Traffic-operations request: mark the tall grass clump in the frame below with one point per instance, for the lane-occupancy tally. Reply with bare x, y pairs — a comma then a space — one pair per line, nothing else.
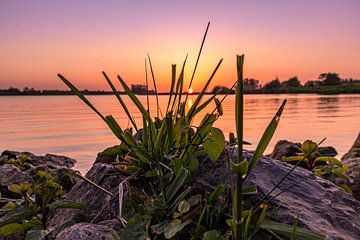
162, 160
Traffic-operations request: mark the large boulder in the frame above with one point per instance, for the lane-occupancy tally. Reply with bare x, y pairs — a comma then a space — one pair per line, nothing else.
97, 201
352, 160
322, 206
86, 231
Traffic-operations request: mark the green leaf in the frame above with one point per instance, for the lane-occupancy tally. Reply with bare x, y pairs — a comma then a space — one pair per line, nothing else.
214, 144
286, 230
213, 235
13, 228
176, 184
265, 139
38, 234
309, 148
218, 106
113, 88
174, 227
136, 228
240, 168
66, 204
328, 160
184, 206
250, 189
80, 95
193, 107
214, 196
16, 215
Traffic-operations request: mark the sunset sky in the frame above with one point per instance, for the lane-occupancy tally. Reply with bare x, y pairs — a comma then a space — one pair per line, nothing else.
81, 38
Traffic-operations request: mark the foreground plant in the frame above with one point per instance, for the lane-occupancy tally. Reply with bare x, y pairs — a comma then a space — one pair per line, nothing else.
161, 159
27, 212
329, 168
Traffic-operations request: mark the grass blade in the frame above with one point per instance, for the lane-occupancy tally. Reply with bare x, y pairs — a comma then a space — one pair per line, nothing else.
173, 79
120, 100
265, 139
80, 95
198, 58
190, 114
176, 184
155, 88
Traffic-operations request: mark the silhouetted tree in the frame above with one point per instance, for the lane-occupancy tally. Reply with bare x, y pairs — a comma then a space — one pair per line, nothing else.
273, 84
222, 90
251, 84
330, 79
292, 82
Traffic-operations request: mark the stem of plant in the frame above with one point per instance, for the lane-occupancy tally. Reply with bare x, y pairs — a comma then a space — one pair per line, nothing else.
239, 108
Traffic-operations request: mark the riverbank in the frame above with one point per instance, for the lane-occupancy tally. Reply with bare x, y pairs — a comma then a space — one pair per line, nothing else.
341, 89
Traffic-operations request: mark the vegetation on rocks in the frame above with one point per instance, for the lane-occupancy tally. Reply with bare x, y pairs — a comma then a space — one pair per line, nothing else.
326, 167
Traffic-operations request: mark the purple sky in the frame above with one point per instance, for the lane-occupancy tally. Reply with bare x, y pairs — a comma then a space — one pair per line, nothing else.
80, 38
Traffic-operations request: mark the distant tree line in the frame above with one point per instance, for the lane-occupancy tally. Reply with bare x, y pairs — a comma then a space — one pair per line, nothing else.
329, 82
292, 84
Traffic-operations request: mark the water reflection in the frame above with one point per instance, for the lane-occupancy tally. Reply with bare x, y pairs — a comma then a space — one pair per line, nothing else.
328, 106
74, 130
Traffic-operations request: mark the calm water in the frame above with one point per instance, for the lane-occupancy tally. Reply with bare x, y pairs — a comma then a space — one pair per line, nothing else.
64, 125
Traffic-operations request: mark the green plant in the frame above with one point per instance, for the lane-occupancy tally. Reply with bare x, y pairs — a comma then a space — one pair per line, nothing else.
326, 167
30, 213
161, 161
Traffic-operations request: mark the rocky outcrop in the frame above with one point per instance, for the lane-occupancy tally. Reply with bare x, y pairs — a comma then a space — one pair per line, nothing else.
12, 172
352, 160
321, 205
86, 231
284, 148
49, 160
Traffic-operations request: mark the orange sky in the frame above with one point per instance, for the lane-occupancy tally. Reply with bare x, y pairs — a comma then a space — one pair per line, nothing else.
81, 38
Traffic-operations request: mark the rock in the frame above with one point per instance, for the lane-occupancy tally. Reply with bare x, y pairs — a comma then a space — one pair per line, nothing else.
354, 151
92, 197
50, 160
86, 231
354, 173
287, 149
10, 174
323, 207
327, 151
352, 160
66, 177
109, 155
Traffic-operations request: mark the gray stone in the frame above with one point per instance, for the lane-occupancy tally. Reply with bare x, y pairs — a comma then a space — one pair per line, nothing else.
86, 231
286, 148
10, 174
95, 200
352, 160
50, 160
354, 151
323, 207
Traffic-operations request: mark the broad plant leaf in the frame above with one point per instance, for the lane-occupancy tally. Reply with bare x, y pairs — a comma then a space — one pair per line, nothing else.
287, 230
174, 227
214, 144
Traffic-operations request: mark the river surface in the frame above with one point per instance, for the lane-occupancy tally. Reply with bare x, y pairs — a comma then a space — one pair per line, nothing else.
64, 125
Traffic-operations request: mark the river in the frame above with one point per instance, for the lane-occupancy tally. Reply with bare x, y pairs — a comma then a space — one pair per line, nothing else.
66, 126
